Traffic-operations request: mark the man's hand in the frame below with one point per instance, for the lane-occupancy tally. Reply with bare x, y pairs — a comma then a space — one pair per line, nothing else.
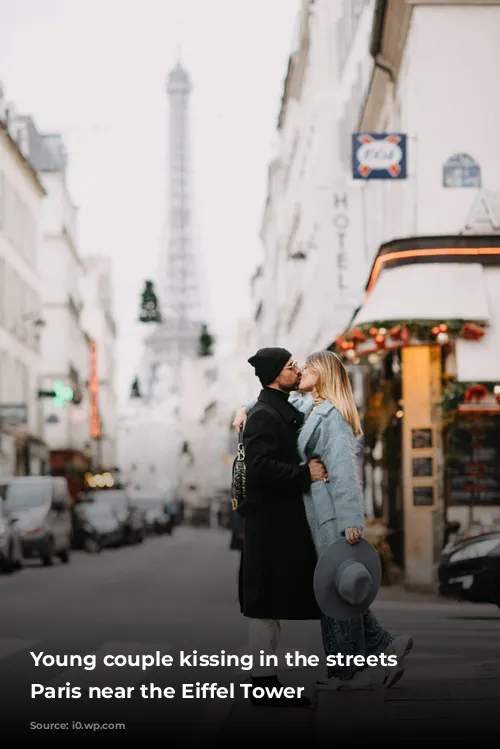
353, 535
317, 470
240, 419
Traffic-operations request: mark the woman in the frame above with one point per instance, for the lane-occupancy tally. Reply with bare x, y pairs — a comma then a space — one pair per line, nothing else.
329, 433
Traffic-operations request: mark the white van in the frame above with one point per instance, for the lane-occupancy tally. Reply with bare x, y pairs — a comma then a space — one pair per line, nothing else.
40, 506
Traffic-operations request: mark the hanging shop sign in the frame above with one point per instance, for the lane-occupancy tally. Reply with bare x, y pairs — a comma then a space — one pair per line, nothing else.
376, 156
95, 421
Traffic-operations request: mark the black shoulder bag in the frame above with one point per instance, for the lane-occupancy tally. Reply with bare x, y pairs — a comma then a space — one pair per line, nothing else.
238, 487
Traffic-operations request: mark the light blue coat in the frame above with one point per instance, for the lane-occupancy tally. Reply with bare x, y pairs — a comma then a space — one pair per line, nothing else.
338, 504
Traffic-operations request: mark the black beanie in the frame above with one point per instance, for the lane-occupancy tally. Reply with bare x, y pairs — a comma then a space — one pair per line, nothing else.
268, 363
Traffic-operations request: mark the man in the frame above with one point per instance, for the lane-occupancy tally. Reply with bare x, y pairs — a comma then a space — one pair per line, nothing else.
279, 558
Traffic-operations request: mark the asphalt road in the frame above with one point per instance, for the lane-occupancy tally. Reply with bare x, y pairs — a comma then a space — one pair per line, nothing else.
179, 594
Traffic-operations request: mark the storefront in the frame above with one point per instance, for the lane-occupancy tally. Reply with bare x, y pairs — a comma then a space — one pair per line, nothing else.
7, 453
21, 453
426, 336
73, 465
36, 458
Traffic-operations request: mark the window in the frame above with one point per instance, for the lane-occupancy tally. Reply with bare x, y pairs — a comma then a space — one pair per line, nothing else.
27, 494
17, 220
461, 171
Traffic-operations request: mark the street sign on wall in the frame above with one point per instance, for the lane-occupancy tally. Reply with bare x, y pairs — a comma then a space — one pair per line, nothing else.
461, 170
378, 156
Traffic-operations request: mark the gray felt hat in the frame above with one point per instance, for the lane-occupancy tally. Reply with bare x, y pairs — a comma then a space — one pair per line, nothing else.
347, 579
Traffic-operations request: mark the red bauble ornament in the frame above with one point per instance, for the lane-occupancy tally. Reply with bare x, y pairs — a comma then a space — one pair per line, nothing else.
357, 336
400, 334
472, 332
475, 393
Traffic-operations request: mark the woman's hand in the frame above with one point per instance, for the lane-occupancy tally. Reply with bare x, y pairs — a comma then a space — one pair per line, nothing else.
240, 419
353, 535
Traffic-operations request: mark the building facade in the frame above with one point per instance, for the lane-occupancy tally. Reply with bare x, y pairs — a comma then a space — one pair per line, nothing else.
431, 301
398, 275
22, 449
64, 344
312, 230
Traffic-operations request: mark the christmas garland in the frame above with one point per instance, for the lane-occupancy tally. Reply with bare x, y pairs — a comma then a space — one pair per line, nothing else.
467, 392
390, 333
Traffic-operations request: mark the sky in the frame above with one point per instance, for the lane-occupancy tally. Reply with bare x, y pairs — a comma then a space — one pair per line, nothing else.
95, 71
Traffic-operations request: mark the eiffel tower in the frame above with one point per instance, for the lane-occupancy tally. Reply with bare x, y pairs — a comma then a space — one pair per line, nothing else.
178, 283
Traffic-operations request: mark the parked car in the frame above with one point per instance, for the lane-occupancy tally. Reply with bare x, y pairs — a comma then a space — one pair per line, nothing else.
95, 527
11, 550
131, 520
158, 519
200, 517
40, 507
469, 569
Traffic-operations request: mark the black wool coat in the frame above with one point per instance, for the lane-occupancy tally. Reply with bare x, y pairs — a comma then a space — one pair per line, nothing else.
279, 557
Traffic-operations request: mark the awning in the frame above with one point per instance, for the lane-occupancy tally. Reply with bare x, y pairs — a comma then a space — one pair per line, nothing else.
427, 291
479, 361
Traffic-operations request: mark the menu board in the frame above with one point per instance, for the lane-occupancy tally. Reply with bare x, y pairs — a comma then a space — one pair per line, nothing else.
422, 467
473, 458
423, 496
422, 438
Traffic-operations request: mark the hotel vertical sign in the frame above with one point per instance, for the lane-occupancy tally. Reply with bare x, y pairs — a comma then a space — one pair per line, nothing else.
341, 225
342, 266
95, 422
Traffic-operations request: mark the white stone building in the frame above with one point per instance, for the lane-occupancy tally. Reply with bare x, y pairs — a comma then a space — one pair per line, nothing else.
64, 343
426, 70
98, 322
446, 214
21, 195
315, 262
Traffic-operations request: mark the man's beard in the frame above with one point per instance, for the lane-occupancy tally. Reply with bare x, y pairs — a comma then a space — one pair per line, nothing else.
290, 388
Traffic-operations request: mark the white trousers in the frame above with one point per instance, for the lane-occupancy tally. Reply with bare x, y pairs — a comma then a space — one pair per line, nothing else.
263, 638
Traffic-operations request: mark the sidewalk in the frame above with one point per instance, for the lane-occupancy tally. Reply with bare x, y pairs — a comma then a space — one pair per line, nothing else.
456, 709
462, 703
397, 597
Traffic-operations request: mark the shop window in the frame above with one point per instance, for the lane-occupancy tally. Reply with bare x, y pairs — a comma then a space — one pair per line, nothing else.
461, 171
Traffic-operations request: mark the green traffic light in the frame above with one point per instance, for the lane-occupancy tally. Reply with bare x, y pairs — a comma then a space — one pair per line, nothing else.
62, 393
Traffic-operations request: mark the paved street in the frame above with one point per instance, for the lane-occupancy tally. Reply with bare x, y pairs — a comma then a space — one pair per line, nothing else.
179, 593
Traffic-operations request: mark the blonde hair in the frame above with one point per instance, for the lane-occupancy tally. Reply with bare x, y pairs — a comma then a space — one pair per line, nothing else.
334, 385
